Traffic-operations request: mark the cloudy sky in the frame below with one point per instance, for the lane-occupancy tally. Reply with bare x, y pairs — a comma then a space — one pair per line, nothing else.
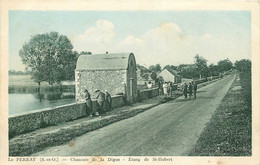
164, 37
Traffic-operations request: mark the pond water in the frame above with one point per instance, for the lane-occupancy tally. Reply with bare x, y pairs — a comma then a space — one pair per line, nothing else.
23, 102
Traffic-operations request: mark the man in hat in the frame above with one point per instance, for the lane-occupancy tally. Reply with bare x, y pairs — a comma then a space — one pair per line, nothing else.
100, 100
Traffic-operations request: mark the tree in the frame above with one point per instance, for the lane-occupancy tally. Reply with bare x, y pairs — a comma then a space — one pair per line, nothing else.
85, 53
243, 65
188, 71
49, 57
154, 76
213, 70
224, 65
157, 68
201, 65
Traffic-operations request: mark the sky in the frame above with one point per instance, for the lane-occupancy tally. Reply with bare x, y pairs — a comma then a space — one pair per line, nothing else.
164, 37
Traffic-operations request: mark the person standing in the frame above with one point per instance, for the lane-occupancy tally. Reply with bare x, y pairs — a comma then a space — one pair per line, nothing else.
88, 102
160, 88
185, 90
194, 89
165, 88
171, 88
190, 90
100, 100
108, 101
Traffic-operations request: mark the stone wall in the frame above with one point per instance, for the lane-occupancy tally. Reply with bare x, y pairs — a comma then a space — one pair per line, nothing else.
41, 118
148, 93
111, 80
31, 121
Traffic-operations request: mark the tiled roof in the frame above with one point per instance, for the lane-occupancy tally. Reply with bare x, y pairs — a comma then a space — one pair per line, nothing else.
115, 61
173, 72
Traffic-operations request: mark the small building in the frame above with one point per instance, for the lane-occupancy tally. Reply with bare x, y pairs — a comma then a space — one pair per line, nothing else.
115, 73
170, 75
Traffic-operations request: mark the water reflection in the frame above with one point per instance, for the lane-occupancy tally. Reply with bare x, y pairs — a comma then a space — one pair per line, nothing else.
27, 99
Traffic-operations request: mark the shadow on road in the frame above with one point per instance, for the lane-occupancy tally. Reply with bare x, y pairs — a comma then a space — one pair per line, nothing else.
203, 97
201, 91
183, 100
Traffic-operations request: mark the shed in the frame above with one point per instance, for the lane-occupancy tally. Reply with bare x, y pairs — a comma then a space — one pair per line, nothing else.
115, 73
170, 75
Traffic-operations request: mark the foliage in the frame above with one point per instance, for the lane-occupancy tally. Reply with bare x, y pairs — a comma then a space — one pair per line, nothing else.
154, 76
244, 68
85, 53
14, 72
155, 68
201, 65
243, 65
225, 65
49, 57
188, 71
213, 70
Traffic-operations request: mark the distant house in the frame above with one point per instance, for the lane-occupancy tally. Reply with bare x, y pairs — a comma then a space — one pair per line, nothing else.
143, 75
170, 75
113, 72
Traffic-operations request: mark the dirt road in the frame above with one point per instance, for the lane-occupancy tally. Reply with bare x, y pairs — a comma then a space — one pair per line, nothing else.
170, 129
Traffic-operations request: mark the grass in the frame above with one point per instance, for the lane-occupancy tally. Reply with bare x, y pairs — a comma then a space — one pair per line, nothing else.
229, 131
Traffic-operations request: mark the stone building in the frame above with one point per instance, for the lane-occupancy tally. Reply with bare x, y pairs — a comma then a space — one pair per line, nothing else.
113, 72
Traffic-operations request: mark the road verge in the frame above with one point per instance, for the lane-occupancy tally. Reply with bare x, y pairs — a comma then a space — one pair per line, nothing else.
229, 131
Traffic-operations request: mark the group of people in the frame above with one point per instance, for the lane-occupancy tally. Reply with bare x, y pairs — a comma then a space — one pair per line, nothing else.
190, 89
104, 102
166, 88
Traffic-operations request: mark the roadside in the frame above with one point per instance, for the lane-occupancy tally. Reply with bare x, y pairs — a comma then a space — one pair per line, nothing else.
26, 144
229, 131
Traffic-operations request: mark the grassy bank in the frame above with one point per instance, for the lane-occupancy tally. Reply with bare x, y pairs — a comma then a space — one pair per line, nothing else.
229, 131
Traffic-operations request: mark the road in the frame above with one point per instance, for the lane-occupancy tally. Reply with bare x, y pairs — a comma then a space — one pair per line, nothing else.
170, 129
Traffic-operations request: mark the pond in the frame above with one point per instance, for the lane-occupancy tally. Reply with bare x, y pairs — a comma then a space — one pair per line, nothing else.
24, 101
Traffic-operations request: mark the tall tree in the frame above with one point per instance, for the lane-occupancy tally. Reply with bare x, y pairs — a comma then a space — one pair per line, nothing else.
158, 68
49, 57
155, 68
225, 65
201, 65
213, 70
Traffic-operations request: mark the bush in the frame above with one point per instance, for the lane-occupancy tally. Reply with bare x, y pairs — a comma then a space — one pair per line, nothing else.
244, 68
245, 80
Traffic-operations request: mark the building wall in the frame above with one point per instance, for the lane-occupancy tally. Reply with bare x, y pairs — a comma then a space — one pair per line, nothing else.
167, 76
111, 80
